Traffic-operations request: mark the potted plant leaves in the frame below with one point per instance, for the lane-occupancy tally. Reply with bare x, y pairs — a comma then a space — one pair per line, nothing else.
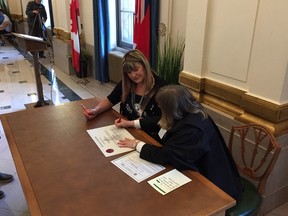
170, 59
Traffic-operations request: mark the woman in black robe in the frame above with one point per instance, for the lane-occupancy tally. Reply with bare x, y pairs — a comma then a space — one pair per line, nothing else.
192, 141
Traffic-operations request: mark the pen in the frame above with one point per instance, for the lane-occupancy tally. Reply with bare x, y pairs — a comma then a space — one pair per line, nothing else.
119, 120
84, 108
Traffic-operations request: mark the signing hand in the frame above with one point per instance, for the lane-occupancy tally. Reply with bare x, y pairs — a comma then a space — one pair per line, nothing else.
120, 122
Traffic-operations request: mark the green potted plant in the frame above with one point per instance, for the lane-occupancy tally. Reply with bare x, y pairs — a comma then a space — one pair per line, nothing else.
170, 58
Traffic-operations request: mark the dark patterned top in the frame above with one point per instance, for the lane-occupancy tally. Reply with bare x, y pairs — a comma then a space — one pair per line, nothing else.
151, 114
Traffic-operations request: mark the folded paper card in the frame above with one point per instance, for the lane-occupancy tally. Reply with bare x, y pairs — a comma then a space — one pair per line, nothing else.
169, 181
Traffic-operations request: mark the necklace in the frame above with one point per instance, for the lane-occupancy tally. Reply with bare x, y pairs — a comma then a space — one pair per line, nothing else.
137, 106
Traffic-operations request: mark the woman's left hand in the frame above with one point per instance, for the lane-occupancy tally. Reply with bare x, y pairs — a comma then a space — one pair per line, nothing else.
129, 143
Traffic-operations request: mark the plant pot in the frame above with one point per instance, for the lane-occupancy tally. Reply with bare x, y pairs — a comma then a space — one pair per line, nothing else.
83, 69
71, 69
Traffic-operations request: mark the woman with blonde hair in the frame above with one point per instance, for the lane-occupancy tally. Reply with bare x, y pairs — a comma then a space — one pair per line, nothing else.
136, 94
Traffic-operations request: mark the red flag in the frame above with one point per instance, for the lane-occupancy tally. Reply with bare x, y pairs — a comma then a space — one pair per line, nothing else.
142, 26
75, 34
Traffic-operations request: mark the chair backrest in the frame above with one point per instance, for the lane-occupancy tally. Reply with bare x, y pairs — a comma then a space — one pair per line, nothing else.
255, 151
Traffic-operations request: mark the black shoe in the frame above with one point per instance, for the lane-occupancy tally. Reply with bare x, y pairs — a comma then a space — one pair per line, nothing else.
42, 56
2, 194
5, 178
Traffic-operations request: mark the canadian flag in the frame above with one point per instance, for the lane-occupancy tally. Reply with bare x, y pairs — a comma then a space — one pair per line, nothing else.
142, 26
75, 34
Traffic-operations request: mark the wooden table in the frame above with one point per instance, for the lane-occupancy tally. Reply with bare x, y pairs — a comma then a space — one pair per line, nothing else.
63, 172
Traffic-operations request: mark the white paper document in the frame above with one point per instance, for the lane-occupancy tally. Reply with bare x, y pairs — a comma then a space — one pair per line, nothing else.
106, 138
169, 181
137, 168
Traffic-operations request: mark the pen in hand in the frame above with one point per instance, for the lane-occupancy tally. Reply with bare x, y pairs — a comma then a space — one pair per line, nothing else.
119, 120
84, 108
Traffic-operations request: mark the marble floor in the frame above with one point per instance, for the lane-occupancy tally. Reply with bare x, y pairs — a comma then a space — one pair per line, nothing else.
18, 88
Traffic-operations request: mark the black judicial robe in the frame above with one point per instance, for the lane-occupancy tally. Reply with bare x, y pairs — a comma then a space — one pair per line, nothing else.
197, 144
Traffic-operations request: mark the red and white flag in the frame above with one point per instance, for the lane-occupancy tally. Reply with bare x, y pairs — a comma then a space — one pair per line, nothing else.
75, 34
142, 26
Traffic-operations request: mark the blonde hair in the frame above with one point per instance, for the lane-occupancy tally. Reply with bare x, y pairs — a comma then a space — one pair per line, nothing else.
130, 63
175, 102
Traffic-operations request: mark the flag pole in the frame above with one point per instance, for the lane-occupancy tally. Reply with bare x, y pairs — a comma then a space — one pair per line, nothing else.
76, 41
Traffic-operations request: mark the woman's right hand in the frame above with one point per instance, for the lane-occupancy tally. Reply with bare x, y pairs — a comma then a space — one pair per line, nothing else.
89, 114
104, 105
120, 122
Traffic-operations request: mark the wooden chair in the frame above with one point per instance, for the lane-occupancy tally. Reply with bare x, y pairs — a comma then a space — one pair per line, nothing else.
255, 152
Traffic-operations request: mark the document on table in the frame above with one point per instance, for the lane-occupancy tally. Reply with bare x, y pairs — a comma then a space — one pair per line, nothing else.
169, 181
106, 139
137, 168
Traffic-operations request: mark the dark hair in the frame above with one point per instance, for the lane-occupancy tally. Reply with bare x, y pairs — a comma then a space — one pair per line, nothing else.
175, 102
131, 61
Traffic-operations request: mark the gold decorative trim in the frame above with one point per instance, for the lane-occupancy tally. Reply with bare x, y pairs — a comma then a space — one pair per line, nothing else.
17, 18
237, 103
224, 92
62, 35
265, 109
66, 36
193, 82
224, 106
278, 129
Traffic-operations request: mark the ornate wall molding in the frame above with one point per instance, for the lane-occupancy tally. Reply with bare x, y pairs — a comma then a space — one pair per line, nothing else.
18, 17
237, 103
62, 35
66, 36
